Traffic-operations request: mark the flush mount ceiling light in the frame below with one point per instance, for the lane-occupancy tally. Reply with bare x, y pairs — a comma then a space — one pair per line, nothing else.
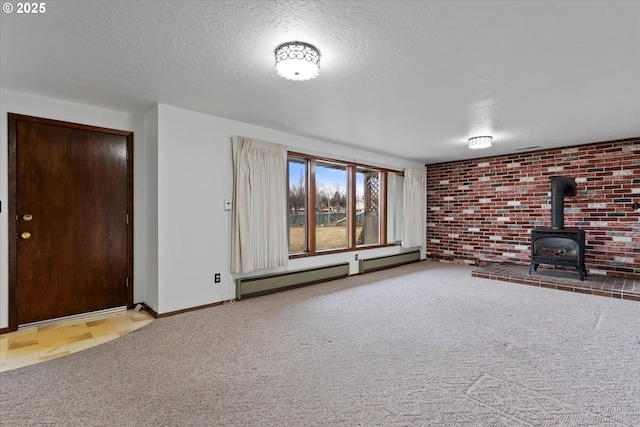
297, 61
478, 142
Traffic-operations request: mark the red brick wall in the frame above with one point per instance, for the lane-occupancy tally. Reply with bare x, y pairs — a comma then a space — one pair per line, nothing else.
483, 210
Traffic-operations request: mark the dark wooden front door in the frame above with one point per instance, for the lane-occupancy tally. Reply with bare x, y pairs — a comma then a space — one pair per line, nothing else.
70, 216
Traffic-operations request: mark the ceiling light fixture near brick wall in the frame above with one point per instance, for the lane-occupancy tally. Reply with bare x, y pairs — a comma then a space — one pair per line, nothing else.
478, 142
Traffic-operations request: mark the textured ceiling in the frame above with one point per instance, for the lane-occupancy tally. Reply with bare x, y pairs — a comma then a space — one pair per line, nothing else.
412, 79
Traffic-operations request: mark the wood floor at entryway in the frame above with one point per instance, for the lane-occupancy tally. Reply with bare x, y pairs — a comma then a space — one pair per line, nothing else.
35, 344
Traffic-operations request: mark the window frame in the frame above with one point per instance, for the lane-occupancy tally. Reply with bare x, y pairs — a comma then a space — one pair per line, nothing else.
310, 211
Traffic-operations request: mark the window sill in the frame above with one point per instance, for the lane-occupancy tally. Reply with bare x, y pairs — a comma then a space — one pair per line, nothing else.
338, 251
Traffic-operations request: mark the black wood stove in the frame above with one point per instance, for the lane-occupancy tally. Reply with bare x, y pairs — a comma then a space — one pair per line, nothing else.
558, 245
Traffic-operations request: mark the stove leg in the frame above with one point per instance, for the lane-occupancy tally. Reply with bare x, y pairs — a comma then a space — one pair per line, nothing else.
584, 272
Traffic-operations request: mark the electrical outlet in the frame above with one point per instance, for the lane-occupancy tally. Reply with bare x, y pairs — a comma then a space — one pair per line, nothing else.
216, 278
356, 257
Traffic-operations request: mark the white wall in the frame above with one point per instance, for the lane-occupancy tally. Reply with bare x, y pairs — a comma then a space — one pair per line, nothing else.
195, 175
31, 105
183, 171
148, 217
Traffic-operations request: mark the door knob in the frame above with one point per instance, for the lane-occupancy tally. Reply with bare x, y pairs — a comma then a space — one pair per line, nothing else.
27, 217
26, 235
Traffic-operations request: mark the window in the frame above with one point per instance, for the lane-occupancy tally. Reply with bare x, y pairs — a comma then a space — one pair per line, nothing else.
332, 219
367, 206
297, 179
336, 205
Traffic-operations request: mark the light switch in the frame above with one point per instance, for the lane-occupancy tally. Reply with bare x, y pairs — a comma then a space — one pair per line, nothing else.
227, 204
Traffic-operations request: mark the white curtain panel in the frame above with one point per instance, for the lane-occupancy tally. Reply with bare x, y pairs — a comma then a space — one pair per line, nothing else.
414, 203
259, 228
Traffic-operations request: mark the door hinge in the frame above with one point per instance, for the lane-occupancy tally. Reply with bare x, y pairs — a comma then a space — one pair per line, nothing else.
127, 218
127, 282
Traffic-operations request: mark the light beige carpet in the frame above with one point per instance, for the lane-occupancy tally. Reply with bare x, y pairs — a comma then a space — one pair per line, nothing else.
424, 344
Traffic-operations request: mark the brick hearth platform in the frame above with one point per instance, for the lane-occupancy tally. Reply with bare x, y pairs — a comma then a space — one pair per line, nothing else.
614, 287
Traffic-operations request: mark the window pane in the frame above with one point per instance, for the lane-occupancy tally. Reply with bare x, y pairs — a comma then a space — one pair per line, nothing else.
297, 205
395, 186
331, 206
368, 206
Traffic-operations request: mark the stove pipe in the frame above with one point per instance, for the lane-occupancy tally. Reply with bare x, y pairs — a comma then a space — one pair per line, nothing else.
560, 187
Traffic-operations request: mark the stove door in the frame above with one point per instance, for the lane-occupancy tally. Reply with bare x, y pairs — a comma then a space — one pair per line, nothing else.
557, 247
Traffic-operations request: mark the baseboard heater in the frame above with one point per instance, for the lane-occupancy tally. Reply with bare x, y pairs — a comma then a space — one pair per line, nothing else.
262, 284
373, 264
